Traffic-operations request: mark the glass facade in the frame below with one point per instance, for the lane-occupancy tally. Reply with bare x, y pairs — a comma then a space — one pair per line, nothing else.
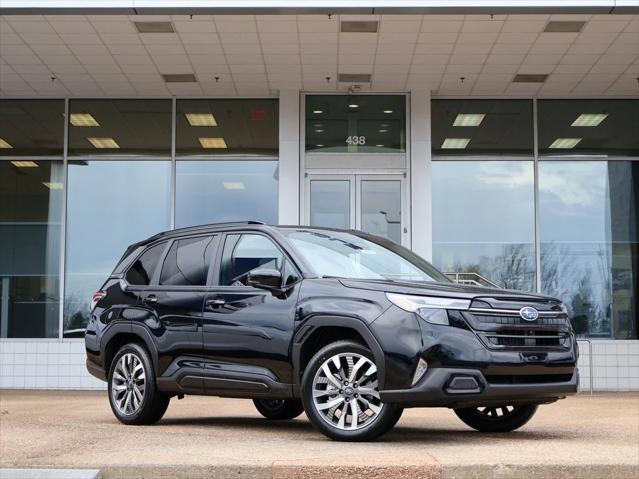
66, 216
355, 123
560, 217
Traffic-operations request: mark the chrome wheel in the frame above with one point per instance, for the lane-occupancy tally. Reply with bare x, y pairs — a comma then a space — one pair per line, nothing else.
346, 391
128, 384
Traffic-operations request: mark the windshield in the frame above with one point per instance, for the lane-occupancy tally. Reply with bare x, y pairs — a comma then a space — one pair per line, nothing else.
345, 255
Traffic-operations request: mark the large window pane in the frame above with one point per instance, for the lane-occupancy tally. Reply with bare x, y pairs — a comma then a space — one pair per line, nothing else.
483, 222
220, 127
482, 127
356, 124
330, 203
215, 191
120, 127
111, 204
31, 198
31, 127
589, 223
584, 127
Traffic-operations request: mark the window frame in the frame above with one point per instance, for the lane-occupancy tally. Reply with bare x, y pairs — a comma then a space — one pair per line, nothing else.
220, 250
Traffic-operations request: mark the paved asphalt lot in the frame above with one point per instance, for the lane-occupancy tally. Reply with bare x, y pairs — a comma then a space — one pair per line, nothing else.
201, 437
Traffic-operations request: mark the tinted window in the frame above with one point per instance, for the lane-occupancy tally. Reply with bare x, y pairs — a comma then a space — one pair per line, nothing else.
187, 263
244, 253
31, 127
141, 271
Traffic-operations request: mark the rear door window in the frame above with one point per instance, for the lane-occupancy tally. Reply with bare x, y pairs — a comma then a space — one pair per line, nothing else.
141, 271
187, 262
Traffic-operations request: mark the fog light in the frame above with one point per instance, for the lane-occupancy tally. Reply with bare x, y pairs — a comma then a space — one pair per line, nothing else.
422, 366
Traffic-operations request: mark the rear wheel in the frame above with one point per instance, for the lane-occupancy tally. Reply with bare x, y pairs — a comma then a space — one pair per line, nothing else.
340, 392
133, 396
279, 409
497, 418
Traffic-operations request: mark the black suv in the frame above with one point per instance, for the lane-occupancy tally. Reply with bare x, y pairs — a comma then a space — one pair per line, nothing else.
348, 327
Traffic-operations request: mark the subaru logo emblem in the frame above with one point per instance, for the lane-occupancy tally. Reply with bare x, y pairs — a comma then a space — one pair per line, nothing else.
528, 314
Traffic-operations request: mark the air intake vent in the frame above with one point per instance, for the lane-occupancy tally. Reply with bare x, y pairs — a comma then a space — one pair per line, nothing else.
530, 78
179, 78
354, 77
154, 27
359, 27
564, 27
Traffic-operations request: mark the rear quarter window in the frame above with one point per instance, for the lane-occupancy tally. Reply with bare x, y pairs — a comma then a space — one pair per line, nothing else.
141, 271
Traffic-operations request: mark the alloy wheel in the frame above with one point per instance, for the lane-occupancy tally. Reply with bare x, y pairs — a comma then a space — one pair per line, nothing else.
346, 391
491, 412
128, 384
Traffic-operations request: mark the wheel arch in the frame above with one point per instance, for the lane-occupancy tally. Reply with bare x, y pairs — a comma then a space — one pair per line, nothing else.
318, 331
123, 333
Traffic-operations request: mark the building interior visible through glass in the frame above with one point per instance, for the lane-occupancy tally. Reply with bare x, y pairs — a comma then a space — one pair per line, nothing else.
487, 175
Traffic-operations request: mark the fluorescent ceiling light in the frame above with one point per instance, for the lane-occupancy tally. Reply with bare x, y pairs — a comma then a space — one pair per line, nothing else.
564, 27
388, 112
379, 146
319, 131
83, 119
179, 77
565, 143
212, 142
154, 27
25, 164
359, 26
201, 119
383, 131
103, 142
455, 143
589, 119
318, 112
320, 145
53, 185
530, 77
4, 144
353, 105
469, 119
233, 185
354, 77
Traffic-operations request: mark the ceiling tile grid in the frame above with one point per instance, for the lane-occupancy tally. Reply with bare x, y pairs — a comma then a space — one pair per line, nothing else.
81, 55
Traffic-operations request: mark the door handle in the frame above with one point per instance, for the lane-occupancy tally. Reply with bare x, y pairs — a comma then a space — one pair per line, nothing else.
214, 303
150, 299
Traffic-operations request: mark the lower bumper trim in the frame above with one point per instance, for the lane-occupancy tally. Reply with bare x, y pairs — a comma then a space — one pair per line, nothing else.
433, 391
96, 370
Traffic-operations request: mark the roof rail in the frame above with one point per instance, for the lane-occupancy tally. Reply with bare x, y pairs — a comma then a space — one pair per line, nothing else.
202, 227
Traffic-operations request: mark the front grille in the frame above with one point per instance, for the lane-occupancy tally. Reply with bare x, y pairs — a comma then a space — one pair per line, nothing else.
510, 320
528, 378
526, 338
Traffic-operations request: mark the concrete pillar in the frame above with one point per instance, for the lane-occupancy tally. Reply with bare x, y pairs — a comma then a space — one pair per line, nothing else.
289, 165
420, 175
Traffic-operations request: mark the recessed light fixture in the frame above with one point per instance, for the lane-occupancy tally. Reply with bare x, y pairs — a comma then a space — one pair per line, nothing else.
383, 131
179, 78
388, 112
233, 185
212, 142
589, 119
564, 27
318, 125
379, 146
469, 119
4, 144
320, 146
53, 185
455, 143
103, 142
83, 119
353, 105
319, 131
154, 27
25, 164
565, 143
201, 119
318, 112
354, 77
530, 78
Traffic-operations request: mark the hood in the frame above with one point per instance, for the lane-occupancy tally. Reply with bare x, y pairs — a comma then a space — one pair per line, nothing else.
447, 290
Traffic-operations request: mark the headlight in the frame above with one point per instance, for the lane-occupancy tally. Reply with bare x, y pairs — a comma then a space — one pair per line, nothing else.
430, 308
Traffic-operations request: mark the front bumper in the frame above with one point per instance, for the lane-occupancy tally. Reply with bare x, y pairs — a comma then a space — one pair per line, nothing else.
436, 389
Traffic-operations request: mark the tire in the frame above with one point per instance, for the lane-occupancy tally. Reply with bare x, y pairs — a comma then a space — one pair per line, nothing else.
327, 400
131, 368
279, 409
488, 419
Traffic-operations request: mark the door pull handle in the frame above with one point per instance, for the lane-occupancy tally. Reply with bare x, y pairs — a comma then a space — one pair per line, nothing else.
151, 299
214, 303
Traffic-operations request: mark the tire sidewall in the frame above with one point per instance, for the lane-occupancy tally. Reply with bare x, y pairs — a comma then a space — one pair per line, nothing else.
379, 426
149, 385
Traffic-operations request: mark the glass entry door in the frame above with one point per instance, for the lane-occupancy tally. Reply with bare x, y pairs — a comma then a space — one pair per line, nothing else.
371, 203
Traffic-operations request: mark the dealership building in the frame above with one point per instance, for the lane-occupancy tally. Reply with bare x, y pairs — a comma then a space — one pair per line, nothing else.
497, 139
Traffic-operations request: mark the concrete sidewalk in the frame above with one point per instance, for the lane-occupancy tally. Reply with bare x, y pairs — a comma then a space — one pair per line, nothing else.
200, 437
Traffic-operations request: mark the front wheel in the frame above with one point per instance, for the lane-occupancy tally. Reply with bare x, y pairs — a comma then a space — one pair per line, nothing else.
279, 409
340, 392
497, 418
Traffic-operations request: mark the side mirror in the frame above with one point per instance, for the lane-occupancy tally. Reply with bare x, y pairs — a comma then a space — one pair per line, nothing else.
270, 279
